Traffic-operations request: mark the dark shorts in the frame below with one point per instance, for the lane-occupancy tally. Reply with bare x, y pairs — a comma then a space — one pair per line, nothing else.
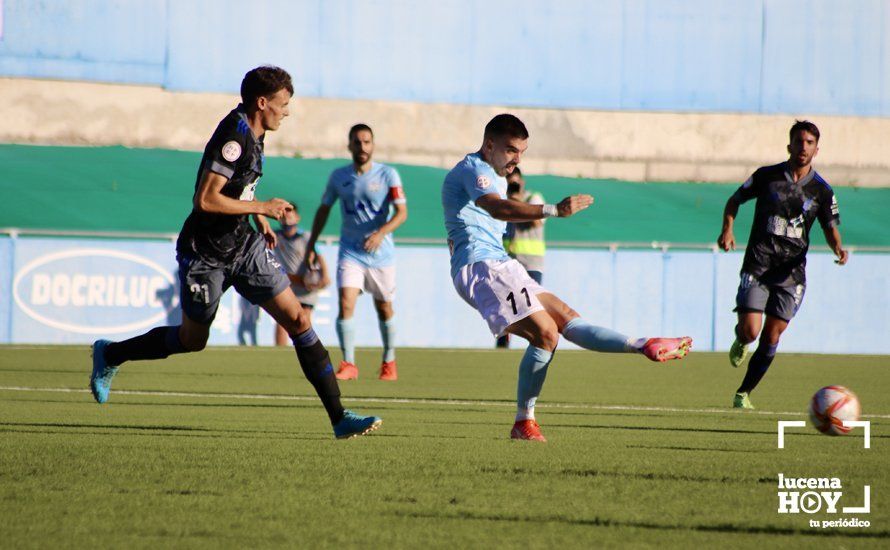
257, 276
780, 301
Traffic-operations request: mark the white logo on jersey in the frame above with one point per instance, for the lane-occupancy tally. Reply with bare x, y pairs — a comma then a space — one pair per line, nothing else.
374, 186
482, 182
248, 191
231, 151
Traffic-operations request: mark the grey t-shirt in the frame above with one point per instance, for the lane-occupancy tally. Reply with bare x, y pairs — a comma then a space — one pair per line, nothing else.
290, 252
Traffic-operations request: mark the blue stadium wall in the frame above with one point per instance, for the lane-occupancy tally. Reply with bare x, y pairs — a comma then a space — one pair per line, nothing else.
72, 291
755, 56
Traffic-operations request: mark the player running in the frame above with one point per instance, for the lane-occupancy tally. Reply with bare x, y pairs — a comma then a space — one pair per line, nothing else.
790, 196
510, 301
366, 261
217, 248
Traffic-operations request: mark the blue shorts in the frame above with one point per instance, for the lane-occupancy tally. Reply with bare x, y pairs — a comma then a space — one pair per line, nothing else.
256, 275
780, 301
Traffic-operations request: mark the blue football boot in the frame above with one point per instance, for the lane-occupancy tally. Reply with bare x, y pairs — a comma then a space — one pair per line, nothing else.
352, 425
100, 379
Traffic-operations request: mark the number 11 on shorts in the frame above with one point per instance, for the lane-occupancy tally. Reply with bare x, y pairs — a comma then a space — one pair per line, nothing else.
512, 299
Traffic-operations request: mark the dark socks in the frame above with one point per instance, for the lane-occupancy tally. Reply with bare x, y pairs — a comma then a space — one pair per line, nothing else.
757, 367
318, 370
158, 343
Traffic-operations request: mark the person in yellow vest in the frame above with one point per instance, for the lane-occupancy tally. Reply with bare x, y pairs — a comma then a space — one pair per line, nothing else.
524, 241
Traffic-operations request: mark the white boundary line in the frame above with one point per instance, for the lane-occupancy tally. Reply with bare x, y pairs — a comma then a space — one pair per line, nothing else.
403, 400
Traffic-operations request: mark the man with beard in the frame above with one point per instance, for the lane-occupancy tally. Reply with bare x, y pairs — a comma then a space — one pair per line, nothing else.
366, 262
790, 197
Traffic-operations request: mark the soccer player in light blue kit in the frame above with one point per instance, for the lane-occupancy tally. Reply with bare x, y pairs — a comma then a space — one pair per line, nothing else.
474, 197
366, 262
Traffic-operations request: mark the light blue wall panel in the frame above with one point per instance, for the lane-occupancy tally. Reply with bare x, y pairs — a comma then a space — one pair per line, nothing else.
688, 297
526, 53
6, 270
683, 55
213, 43
771, 56
117, 41
74, 291
414, 51
638, 290
825, 57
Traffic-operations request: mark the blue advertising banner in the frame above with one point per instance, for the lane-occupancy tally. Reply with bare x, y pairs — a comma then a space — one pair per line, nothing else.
73, 291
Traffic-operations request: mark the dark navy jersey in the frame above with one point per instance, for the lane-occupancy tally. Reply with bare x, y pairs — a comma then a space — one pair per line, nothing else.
235, 153
783, 215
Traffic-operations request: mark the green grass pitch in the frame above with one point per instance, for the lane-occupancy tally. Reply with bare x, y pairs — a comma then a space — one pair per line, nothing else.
229, 448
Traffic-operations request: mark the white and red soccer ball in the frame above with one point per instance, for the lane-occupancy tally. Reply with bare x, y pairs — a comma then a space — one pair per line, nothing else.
831, 406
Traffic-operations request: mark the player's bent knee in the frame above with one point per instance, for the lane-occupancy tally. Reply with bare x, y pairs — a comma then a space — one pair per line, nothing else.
547, 338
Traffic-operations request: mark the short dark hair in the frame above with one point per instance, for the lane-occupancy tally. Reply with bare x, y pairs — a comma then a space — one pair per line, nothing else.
358, 128
516, 171
506, 125
803, 125
264, 81
296, 208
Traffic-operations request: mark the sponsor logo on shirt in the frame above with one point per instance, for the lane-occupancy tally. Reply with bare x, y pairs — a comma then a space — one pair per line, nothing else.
248, 192
483, 182
783, 228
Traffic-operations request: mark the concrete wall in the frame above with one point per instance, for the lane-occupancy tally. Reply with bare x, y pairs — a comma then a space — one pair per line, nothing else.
826, 57
638, 146
77, 290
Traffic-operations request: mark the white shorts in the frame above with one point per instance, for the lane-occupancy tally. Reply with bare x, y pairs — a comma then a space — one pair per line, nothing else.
501, 291
379, 282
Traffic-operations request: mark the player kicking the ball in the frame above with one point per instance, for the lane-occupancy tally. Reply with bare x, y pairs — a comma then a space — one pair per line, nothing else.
217, 248
510, 301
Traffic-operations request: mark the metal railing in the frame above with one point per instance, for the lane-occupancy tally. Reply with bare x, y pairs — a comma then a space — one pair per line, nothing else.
664, 246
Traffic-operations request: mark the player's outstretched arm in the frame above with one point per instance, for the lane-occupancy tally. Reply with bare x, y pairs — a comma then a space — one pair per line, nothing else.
318, 223
516, 211
210, 200
726, 240
833, 238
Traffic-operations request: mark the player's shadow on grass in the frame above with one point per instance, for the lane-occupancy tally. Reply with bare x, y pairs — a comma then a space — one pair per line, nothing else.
668, 448
645, 476
694, 430
149, 430
605, 522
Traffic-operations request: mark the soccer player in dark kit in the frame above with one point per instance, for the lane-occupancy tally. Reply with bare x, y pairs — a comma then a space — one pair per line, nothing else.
217, 248
790, 197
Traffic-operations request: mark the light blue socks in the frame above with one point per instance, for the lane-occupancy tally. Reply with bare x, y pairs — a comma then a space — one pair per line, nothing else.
346, 335
580, 332
532, 372
388, 335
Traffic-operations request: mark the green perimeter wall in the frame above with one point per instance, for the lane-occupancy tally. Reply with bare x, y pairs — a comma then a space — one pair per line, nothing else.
149, 190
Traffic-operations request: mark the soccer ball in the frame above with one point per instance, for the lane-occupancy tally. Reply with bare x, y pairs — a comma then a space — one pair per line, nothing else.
830, 406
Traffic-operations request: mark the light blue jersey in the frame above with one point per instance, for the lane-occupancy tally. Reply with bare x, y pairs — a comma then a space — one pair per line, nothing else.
473, 235
364, 206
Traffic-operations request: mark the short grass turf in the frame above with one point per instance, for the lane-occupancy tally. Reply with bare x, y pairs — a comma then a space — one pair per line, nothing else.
227, 448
